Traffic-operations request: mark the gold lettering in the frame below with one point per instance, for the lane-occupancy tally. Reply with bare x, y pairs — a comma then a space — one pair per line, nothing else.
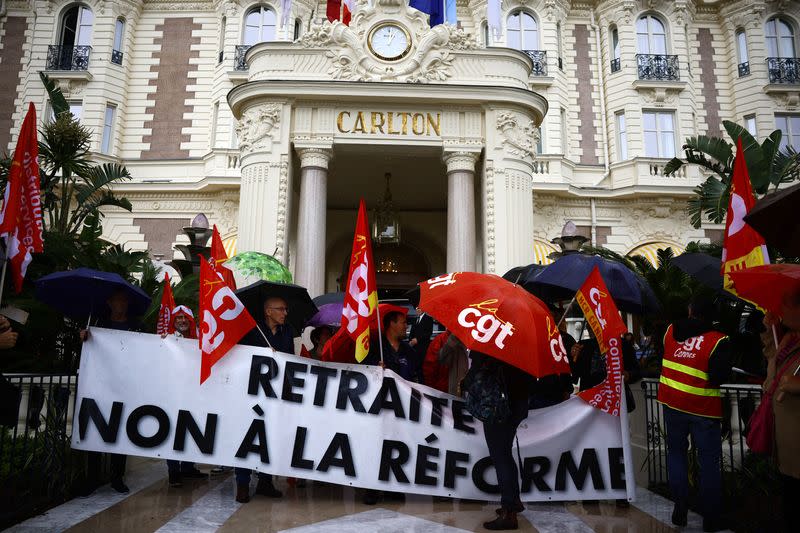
404, 127
418, 126
389, 124
340, 119
433, 125
375, 124
359, 124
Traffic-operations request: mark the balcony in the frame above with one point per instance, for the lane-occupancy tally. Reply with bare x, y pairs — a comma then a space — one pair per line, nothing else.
744, 69
784, 70
616, 65
539, 59
116, 57
658, 67
68, 58
238, 57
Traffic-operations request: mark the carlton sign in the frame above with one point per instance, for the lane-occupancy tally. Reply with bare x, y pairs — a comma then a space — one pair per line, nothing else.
389, 123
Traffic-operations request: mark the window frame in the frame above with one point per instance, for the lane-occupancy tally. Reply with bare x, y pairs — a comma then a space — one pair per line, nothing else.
519, 13
748, 120
661, 153
777, 37
788, 133
622, 135
648, 17
107, 140
261, 9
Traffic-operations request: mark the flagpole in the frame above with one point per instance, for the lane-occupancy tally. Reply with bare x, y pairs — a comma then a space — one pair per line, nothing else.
566, 311
3, 281
380, 334
262, 334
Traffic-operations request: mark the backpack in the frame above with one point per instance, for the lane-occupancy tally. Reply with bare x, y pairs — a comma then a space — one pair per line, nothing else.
486, 394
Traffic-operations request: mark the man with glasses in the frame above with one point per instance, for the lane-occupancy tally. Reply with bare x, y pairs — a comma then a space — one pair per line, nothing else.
279, 337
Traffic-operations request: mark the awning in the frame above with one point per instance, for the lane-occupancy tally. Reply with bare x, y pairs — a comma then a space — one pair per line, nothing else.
230, 245
650, 251
541, 250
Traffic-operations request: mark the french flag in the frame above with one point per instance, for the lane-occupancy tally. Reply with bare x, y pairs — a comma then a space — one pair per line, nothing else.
440, 11
340, 10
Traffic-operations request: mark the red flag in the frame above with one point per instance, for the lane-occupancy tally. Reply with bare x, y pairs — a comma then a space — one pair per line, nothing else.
340, 10
743, 247
164, 324
603, 317
218, 257
21, 218
223, 319
361, 292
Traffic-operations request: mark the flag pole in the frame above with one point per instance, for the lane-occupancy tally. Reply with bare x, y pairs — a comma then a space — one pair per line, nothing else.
380, 334
262, 334
3, 281
566, 310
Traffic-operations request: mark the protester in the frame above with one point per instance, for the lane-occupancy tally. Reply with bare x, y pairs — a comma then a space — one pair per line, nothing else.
499, 436
435, 373
319, 336
118, 319
8, 337
588, 365
783, 364
274, 332
453, 355
696, 361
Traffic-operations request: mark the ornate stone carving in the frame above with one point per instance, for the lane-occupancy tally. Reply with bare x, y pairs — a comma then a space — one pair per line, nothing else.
255, 128
659, 96
490, 215
283, 206
520, 135
460, 161
314, 157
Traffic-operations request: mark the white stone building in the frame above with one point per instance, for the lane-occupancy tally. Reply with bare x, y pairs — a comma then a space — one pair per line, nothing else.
274, 123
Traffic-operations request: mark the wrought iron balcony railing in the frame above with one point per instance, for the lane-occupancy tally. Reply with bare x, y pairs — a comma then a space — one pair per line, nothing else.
658, 67
220, 57
238, 57
744, 69
116, 57
68, 57
539, 58
783, 69
616, 65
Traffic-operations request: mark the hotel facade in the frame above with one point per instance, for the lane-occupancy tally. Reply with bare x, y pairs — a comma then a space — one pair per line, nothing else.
274, 122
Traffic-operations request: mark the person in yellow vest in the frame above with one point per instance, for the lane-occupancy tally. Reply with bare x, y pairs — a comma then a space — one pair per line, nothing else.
696, 361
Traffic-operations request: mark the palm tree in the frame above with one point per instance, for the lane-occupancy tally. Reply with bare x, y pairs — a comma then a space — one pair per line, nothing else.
767, 165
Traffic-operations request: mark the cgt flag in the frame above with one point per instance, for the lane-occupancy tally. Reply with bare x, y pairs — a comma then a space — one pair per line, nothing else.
603, 317
223, 319
165, 310
218, 257
21, 218
361, 294
743, 247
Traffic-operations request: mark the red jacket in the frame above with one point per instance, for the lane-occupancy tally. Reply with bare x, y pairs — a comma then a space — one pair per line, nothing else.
436, 375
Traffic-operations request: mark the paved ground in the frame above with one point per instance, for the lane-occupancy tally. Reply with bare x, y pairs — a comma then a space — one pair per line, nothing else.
208, 506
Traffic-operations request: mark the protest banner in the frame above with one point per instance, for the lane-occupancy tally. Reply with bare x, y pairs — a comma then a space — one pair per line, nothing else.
353, 425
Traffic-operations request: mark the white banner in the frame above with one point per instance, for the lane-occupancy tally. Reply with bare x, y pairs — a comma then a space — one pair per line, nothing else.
354, 425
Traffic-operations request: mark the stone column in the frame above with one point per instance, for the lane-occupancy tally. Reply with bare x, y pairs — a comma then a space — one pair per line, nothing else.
310, 266
460, 210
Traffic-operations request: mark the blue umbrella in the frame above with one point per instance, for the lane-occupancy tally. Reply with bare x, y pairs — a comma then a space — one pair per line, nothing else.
83, 292
562, 279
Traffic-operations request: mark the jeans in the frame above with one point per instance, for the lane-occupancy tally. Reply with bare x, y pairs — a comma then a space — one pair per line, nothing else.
707, 438
243, 476
500, 441
179, 466
117, 464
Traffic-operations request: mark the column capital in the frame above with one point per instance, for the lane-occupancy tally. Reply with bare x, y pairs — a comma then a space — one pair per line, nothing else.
315, 157
460, 161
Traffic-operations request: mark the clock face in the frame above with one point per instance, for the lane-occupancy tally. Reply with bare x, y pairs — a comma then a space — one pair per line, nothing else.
389, 42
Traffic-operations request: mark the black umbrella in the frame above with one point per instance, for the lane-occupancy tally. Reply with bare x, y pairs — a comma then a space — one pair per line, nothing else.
775, 218
703, 267
329, 298
522, 275
301, 307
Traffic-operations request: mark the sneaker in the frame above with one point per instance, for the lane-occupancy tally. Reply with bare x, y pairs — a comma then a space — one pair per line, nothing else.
175, 479
119, 486
266, 488
505, 521
680, 515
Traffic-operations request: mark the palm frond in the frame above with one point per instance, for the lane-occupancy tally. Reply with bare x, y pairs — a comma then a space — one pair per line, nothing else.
58, 103
97, 178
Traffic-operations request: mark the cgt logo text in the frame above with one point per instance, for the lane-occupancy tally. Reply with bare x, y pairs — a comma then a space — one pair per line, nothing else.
485, 325
594, 297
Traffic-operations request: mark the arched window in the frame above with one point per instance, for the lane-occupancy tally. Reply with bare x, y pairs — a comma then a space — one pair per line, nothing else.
119, 34
558, 45
780, 38
742, 56
485, 33
651, 35
223, 26
523, 31
259, 25
298, 29
615, 50
76, 27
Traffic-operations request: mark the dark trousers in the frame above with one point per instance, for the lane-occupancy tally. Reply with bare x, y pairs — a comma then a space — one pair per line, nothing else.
116, 462
791, 495
707, 438
500, 440
243, 476
179, 466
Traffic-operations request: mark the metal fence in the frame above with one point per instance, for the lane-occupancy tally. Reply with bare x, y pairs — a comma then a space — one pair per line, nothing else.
37, 466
